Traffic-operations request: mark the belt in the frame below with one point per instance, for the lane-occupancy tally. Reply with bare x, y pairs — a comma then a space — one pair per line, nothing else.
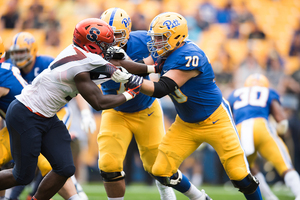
39, 114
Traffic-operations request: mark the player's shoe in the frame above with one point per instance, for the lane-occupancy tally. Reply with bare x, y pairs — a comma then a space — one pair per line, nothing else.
204, 196
80, 192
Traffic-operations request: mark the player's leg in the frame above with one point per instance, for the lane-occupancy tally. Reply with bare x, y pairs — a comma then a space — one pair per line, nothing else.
25, 141
251, 134
148, 132
66, 115
178, 143
224, 138
55, 141
5, 154
275, 151
113, 140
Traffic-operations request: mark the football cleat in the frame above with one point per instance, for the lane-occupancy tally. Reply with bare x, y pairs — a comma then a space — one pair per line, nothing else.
204, 196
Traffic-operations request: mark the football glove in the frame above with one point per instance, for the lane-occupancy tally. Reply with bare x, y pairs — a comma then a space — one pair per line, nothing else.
133, 86
119, 54
88, 123
159, 64
121, 75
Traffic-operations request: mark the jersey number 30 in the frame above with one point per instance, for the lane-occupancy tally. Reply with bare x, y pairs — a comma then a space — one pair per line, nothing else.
254, 96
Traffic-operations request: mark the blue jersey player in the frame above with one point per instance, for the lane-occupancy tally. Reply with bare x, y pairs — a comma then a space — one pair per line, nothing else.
251, 106
203, 115
140, 117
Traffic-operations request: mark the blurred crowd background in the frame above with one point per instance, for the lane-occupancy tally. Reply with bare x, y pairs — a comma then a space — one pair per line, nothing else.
240, 37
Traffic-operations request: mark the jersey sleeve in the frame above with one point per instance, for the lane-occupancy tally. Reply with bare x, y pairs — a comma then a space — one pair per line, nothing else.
274, 95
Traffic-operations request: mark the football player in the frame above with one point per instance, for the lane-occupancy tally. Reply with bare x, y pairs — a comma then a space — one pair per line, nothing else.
140, 117
79, 68
203, 115
11, 84
23, 54
251, 106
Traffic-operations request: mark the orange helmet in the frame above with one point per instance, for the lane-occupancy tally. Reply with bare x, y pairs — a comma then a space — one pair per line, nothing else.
257, 80
94, 35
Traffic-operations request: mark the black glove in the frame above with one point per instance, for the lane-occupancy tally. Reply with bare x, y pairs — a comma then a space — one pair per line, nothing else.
134, 84
159, 64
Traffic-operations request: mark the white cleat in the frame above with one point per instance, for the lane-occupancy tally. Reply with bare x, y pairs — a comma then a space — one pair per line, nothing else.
204, 196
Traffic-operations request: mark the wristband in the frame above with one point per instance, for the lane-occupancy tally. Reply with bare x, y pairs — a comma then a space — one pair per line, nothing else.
127, 95
151, 69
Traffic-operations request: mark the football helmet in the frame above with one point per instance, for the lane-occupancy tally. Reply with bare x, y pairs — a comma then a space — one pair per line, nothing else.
94, 35
167, 30
2, 48
23, 49
120, 21
256, 80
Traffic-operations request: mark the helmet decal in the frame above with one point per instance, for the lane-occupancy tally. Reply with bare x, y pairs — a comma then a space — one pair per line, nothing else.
111, 19
170, 24
126, 22
93, 34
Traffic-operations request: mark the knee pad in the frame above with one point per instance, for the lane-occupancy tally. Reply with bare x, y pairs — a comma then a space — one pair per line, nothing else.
67, 171
112, 176
248, 185
175, 179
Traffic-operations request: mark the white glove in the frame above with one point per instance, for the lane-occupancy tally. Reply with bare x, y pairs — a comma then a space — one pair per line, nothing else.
121, 76
88, 123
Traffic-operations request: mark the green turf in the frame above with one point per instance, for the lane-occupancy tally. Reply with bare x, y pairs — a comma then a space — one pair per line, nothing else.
95, 191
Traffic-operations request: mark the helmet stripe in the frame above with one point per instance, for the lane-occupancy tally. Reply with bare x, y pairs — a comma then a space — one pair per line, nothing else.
17, 36
112, 16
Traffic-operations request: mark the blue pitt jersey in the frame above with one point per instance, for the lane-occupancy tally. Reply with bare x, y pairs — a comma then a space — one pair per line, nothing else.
251, 102
10, 78
41, 63
136, 50
199, 97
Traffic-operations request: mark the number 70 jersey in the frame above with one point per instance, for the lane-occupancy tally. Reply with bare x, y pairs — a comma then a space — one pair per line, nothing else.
251, 102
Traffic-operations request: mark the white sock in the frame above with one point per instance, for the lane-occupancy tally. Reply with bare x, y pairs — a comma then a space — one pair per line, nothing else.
197, 179
75, 197
292, 180
264, 187
193, 193
118, 198
166, 193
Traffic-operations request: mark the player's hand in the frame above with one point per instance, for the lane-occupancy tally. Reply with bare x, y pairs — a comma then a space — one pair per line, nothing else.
121, 75
88, 123
119, 54
134, 84
159, 64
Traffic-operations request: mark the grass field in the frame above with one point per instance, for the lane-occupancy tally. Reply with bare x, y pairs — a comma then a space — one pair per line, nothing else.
95, 191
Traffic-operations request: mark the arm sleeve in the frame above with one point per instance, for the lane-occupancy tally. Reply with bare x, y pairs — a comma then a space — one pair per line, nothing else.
164, 86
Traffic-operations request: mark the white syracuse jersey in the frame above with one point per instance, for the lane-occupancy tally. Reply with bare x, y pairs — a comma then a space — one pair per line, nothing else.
55, 86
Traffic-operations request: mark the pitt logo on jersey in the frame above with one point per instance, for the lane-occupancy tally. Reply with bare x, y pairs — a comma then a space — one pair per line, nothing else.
170, 24
93, 35
126, 21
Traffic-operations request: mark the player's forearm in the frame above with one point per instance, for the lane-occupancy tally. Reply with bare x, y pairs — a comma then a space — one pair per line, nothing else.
134, 67
147, 87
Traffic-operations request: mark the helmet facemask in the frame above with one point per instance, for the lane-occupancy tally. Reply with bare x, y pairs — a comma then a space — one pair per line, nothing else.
107, 49
159, 46
120, 41
21, 57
